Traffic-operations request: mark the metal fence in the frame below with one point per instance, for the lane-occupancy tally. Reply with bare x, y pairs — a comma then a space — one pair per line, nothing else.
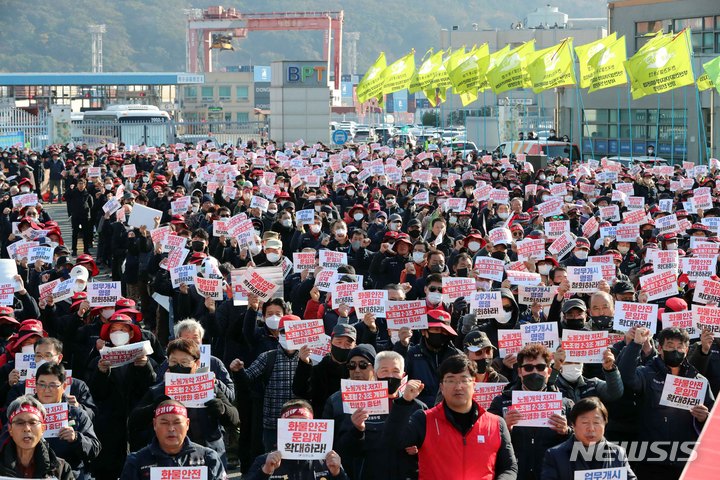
34, 127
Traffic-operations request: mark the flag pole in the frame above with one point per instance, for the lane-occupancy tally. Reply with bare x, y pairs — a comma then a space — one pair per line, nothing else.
617, 90
630, 120
672, 127
657, 128
685, 120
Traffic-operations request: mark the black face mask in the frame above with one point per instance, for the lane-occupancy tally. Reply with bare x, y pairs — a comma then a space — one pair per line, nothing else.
179, 369
498, 255
674, 358
393, 384
437, 340
483, 365
198, 245
414, 233
602, 322
339, 354
534, 381
646, 234
6, 330
575, 323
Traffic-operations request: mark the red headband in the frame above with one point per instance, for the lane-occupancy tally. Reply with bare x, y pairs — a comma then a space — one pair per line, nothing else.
303, 412
27, 409
171, 409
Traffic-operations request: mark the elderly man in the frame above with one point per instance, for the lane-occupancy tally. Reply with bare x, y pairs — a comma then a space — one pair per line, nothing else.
171, 447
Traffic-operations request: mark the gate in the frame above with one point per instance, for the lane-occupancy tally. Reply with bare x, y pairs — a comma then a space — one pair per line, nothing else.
35, 127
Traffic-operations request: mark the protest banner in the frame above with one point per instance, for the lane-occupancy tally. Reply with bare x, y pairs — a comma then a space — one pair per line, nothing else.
509, 342
667, 224
500, 236
530, 248
183, 274
63, 290
536, 407
175, 258
24, 200
103, 294
612, 473
305, 217
299, 333
24, 362
260, 202
142, 215
342, 293
370, 301
19, 250
411, 314
631, 314
456, 287
684, 319
556, 228
550, 208
371, 396
584, 279
304, 439
303, 261
663, 260
257, 284
527, 294
40, 253
324, 278
56, 417
179, 473
707, 291
607, 266
490, 268
45, 289
590, 227
683, 393
523, 278
544, 333
627, 233
706, 318
123, 355
611, 213
659, 285
331, 259
486, 304
180, 206
698, 268
209, 287
317, 353
484, 393
562, 245
191, 389
582, 346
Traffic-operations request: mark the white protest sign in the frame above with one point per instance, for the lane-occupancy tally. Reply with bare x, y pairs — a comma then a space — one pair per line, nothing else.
659, 285
583, 346
527, 295
484, 393
255, 283
63, 290
331, 259
706, 318
584, 279
303, 261
536, 407
209, 287
142, 215
179, 473
489, 268
24, 362
486, 305
509, 342
707, 291
183, 274
191, 389
40, 253
613, 473
684, 319
342, 293
370, 301
562, 245
56, 417
180, 206
411, 314
456, 287
299, 333
119, 356
304, 439
631, 314
372, 396
683, 393
544, 333
531, 248
103, 294
305, 217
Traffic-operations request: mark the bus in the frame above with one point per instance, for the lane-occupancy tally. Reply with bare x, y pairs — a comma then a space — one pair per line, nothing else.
129, 124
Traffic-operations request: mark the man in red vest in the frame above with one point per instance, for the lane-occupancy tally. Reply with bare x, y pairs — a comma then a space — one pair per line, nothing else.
457, 438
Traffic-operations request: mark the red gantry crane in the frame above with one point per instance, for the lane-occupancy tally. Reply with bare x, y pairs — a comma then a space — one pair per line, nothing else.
202, 23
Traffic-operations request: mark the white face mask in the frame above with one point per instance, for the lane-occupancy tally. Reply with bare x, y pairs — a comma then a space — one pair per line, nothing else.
505, 317
572, 372
503, 215
473, 246
544, 269
194, 208
340, 233
107, 313
623, 250
255, 249
394, 227
434, 298
581, 254
24, 189
272, 257
418, 257
283, 342
568, 198
672, 246
318, 208
272, 212
272, 322
452, 220
287, 223
315, 228
483, 285
541, 177
358, 217
79, 285
119, 338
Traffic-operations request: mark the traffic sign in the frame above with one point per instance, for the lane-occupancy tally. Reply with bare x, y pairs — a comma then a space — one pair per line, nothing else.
339, 137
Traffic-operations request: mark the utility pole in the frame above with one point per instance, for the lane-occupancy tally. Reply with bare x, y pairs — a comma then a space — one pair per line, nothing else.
352, 39
97, 32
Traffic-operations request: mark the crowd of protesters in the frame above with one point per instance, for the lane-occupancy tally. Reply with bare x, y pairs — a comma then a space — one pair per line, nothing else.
391, 211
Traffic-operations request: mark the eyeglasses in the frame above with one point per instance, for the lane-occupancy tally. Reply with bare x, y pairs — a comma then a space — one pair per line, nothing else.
22, 423
361, 365
182, 364
435, 289
48, 386
528, 368
47, 356
454, 382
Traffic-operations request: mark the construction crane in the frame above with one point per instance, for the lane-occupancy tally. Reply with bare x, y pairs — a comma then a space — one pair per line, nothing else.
201, 24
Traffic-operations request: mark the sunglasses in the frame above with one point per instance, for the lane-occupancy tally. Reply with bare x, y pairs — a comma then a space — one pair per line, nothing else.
435, 289
540, 367
361, 365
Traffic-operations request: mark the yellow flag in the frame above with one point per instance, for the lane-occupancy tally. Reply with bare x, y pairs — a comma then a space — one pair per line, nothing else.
485, 64
712, 70
552, 67
586, 52
442, 79
608, 66
511, 72
704, 82
372, 82
465, 77
399, 74
468, 97
661, 68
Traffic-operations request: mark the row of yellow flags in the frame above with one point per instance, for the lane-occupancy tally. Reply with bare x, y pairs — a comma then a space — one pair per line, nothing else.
661, 64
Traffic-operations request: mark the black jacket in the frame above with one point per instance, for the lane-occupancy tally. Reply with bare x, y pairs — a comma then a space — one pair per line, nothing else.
79, 204
138, 464
292, 470
422, 364
47, 464
558, 466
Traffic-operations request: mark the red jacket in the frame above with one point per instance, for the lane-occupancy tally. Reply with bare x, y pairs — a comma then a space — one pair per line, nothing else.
445, 453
